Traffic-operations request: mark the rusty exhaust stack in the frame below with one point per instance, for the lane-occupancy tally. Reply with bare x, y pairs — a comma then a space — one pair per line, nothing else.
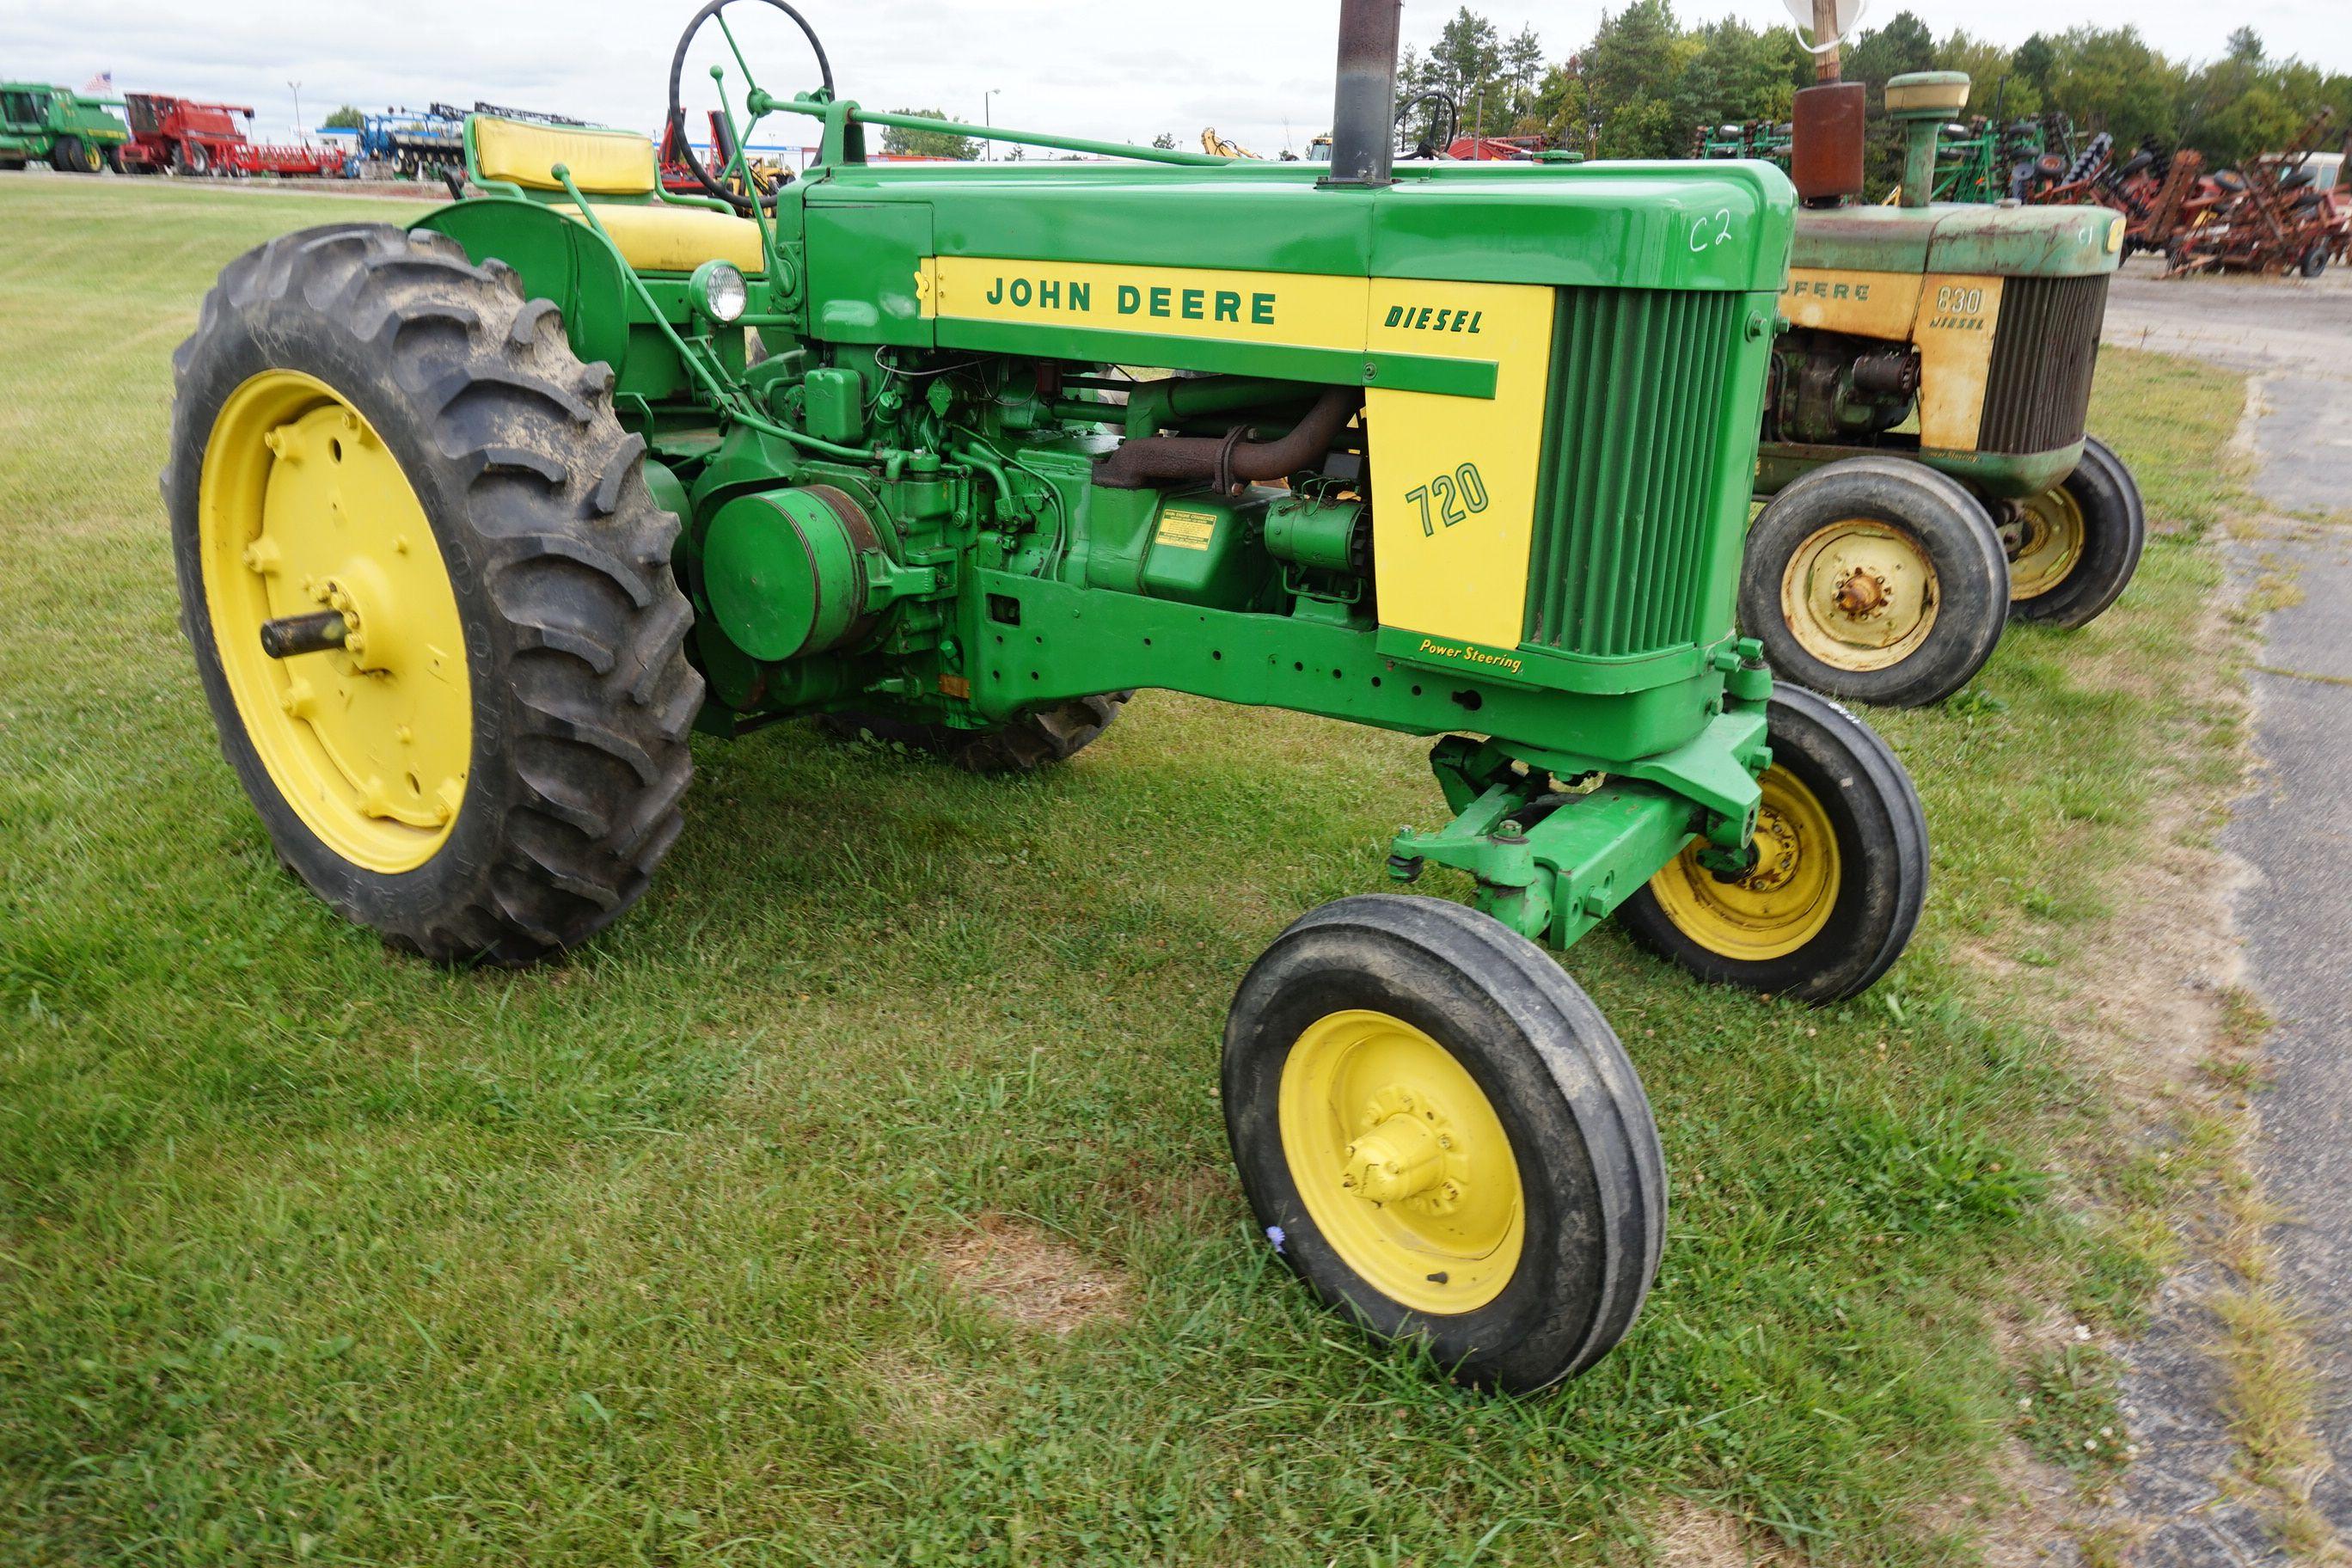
1825, 132
1363, 113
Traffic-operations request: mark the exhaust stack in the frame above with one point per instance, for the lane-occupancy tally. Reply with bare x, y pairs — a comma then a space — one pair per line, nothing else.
1363, 113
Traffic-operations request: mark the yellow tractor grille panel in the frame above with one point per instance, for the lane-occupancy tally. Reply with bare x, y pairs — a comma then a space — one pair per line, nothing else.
1622, 520
2038, 391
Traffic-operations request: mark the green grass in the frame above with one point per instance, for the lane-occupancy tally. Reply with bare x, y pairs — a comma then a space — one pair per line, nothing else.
308, 1251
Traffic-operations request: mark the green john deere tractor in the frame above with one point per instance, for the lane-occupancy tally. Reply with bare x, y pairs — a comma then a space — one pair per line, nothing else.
475, 520
70, 132
1924, 448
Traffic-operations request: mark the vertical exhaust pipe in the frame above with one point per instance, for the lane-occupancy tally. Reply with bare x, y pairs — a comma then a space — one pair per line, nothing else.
1363, 113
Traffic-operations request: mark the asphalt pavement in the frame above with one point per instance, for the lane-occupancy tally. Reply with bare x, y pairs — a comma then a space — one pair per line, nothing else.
2293, 828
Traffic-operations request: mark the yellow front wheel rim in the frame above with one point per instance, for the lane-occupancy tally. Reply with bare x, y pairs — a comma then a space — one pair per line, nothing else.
302, 508
1401, 1162
1784, 902
1859, 594
2045, 544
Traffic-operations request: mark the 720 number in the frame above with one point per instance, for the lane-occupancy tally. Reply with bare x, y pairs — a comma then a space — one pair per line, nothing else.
1450, 498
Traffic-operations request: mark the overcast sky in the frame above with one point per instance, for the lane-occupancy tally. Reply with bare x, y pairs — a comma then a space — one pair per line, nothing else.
1259, 70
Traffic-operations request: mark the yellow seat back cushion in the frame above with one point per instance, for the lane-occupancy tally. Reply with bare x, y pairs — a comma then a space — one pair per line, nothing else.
601, 163
661, 238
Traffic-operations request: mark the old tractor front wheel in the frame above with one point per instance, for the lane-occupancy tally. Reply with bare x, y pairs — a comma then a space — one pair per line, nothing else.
1876, 580
1440, 1135
1839, 872
2072, 550
429, 593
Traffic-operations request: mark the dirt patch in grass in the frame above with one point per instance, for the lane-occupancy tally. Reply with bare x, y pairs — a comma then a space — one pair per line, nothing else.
1687, 1536
917, 1391
1024, 1275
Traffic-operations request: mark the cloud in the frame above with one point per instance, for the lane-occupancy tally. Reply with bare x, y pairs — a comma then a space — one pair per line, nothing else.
1259, 70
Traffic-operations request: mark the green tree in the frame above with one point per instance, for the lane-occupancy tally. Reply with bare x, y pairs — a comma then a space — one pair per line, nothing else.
347, 118
1523, 68
1734, 73
1165, 141
899, 143
1627, 84
2035, 62
1998, 89
1468, 56
2108, 79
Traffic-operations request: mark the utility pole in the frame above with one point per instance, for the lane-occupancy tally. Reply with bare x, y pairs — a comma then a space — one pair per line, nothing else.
298, 109
988, 122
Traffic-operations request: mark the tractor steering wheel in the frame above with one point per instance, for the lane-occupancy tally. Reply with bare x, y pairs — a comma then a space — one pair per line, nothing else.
1440, 122
702, 176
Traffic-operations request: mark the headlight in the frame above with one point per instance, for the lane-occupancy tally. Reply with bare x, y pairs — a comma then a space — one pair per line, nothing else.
719, 292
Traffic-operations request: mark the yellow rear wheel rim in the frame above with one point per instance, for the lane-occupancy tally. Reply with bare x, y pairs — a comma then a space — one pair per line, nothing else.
1401, 1162
1859, 594
2046, 545
1782, 903
300, 508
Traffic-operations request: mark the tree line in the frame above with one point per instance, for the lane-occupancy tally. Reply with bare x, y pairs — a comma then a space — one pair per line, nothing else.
1644, 83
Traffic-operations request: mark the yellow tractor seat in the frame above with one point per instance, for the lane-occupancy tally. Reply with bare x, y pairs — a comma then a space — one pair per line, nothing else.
660, 238
652, 236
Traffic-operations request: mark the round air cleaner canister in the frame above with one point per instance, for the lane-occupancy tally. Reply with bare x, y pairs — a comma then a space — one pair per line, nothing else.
784, 573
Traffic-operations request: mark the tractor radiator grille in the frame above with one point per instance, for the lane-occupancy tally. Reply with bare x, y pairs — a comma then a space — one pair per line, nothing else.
1623, 521
2043, 351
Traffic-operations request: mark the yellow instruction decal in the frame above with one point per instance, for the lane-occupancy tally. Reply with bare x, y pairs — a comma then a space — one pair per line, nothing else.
1186, 530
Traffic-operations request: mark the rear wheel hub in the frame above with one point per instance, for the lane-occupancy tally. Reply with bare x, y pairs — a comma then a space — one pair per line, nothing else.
303, 510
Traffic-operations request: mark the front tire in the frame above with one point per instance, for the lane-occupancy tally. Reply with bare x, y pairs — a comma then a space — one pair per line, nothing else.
70, 156
2077, 547
1839, 879
1444, 1137
1876, 580
490, 766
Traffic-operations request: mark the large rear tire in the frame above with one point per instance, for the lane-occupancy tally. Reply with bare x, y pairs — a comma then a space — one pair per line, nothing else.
491, 764
1841, 874
1440, 1135
1877, 580
1036, 740
2075, 549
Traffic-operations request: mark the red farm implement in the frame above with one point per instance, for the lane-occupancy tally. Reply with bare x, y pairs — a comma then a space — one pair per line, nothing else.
2282, 212
172, 135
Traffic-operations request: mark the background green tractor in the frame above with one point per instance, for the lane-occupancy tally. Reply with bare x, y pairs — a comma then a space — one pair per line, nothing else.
1924, 453
70, 132
474, 520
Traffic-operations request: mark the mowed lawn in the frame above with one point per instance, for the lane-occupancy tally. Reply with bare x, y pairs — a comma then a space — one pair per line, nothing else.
863, 1196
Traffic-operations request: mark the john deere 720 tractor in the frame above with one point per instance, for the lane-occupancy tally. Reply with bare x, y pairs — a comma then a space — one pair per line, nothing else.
1924, 448
475, 518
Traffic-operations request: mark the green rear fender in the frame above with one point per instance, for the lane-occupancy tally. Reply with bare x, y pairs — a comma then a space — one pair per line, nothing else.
561, 260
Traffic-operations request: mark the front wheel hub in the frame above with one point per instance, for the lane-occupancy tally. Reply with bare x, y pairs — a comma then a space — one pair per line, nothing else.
1860, 595
1400, 1157
1402, 1162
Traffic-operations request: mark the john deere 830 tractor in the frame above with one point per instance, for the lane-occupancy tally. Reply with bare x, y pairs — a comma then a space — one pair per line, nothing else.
475, 518
1924, 445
